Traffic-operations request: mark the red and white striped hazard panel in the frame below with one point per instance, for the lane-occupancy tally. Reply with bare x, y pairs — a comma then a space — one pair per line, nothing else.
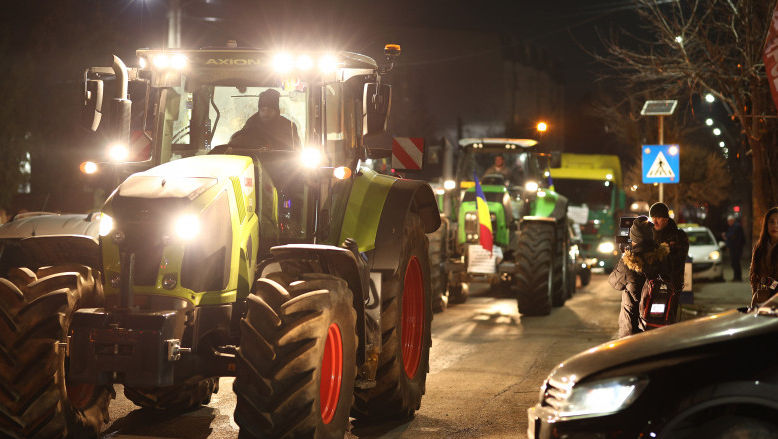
407, 152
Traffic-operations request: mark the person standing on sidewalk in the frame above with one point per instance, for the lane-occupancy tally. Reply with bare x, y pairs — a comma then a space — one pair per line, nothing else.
764, 260
645, 259
735, 239
667, 231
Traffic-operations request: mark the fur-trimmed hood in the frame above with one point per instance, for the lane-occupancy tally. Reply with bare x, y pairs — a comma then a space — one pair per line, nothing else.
637, 261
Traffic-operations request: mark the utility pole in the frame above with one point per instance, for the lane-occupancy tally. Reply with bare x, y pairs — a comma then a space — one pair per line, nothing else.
661, 142
174, 24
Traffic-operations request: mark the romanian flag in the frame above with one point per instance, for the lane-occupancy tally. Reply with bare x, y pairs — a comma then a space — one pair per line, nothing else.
484, 220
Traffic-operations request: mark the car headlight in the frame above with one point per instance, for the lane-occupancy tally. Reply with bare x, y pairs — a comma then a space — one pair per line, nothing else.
106, 225
600, 398
187, 227
715, 255
606, 247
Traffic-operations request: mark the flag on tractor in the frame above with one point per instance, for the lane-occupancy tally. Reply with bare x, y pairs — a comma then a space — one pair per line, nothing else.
484, 220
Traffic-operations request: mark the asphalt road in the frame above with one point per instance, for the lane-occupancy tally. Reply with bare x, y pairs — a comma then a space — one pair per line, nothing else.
486, 366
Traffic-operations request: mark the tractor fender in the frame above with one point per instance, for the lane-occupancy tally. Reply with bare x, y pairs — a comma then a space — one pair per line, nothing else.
403, 197
553, 206
336, 261
40, 251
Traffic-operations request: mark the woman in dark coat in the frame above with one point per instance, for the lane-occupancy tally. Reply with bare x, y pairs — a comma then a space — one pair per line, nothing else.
645, 259
764, 260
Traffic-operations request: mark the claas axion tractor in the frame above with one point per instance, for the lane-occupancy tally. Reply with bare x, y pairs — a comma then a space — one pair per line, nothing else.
296, 270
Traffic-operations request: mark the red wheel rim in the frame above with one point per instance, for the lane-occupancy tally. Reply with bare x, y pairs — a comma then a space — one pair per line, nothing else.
80, 394
331, 373
412, 317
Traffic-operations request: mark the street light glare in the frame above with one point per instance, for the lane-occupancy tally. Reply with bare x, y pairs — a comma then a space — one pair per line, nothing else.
722, 144
542, 127
716, 132
679, 39
709, 97
709, 121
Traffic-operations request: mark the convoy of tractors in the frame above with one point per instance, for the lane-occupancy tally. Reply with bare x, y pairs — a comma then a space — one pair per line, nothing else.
301, 272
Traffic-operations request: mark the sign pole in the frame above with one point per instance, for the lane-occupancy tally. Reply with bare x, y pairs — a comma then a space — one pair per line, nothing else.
661, 142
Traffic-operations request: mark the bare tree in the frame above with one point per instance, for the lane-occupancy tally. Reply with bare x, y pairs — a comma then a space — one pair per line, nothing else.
708, 46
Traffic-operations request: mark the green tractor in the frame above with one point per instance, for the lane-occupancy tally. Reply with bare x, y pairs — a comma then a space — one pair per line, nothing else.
531, 253
295, 270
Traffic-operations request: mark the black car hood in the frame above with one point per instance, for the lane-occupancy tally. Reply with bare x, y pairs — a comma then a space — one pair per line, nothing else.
718, 328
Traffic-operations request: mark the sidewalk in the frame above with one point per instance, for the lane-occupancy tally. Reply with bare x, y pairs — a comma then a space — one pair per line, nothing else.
714, 297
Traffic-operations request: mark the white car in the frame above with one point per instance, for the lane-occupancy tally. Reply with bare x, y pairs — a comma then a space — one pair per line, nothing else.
705, 252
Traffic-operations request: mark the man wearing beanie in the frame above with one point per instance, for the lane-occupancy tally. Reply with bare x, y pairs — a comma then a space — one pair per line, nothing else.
644, 259
666, 231
267, 127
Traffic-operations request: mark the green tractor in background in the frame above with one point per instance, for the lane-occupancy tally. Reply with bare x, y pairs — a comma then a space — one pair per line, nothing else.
296, 270
529, 225
593, 185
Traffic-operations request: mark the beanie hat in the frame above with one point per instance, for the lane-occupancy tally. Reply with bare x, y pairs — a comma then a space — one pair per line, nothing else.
659, 210
269, 98
642, 231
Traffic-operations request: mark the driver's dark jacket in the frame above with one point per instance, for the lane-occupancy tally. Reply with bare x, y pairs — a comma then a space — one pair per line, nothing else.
630, 275
678, 243
279, 133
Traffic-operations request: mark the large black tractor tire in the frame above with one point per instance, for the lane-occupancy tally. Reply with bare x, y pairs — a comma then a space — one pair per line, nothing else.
563, 286
297, 359
535, 276
188, 395
458, 292
406, 319
438, 256
37, 400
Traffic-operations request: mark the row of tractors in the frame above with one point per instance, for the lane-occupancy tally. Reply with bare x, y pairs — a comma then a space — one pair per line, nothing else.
304, 274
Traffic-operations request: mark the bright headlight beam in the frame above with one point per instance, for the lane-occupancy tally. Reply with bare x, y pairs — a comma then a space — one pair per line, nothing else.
106, 225
531, 186
304, 62
118, 152
283, 62
328, 64
187, 226
310, 157
178, 61
449, 185
606, 247
601, 397
161, 61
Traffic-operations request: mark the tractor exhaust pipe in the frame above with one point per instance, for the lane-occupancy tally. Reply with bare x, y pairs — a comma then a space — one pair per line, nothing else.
121, 76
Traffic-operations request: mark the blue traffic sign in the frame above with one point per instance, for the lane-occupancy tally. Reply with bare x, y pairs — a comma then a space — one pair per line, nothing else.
661, 163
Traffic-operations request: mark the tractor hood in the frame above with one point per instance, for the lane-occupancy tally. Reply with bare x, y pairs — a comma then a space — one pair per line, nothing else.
685, 336
50, 224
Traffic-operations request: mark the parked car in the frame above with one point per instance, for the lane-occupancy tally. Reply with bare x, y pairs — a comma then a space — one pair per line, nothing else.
705, 252
712, 377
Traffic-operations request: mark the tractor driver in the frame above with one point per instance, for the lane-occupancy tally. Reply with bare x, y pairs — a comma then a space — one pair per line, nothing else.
267, 127
499, 167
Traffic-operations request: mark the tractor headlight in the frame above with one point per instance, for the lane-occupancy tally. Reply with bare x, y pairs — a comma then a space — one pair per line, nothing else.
600, 398
715, 255
606, 247
187, 227
449, 185
531, 186
106, 225
471, 216
310, 157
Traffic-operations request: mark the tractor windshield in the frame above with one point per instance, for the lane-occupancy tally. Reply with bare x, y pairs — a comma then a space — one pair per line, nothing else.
498, 166
198, 116
595, 194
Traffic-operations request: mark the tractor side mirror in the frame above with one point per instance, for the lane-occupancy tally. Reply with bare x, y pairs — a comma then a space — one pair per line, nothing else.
92, 112
376, 103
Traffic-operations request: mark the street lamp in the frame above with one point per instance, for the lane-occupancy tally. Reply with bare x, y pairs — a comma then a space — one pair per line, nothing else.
542, 127
709, 98
722, 144
716, 132
679, 39
709, 122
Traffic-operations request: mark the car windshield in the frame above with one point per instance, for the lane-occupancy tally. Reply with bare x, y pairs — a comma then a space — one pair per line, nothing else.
699, 237
495, 164
594, 193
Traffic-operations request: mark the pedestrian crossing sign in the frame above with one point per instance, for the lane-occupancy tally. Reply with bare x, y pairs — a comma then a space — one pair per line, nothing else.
661, 163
